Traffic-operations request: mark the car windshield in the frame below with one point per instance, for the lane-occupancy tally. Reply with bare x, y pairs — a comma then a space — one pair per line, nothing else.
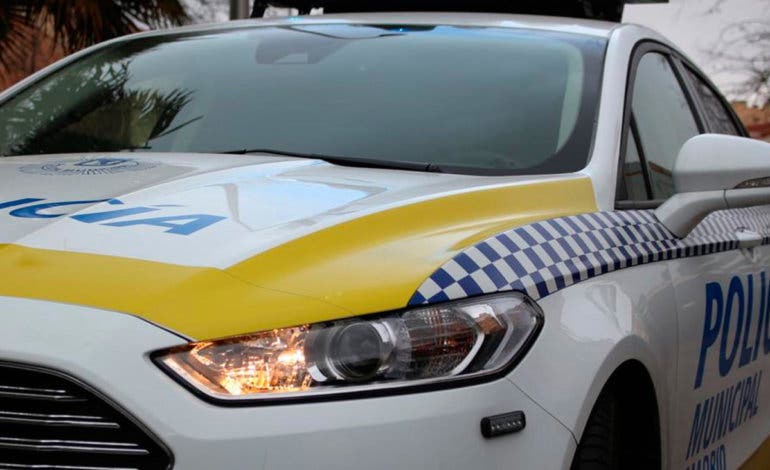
465, 99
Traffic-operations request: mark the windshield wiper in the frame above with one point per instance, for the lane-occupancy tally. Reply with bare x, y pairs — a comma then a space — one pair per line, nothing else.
347, 161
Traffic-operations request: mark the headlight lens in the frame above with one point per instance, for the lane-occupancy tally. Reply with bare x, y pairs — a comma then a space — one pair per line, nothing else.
433, 345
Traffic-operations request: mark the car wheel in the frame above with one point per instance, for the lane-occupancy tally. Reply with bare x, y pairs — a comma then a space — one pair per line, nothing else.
618, 435
597, 449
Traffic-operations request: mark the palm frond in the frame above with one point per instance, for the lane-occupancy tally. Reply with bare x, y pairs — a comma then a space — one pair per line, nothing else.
81, 23
76, 24
15, 33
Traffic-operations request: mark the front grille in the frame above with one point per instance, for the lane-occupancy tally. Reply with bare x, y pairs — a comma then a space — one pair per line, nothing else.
50, 422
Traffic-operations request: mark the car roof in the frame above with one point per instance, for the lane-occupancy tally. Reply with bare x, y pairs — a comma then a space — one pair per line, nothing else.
550, 23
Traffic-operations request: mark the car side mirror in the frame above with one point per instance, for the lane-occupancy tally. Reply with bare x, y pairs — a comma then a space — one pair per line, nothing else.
714, 172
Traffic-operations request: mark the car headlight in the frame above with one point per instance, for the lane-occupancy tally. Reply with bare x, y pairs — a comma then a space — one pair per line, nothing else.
436, 345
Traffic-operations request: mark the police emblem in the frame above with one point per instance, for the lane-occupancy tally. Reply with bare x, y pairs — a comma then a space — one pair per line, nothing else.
88, 167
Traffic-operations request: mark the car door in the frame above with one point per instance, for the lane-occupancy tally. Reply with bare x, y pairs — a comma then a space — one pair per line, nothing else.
719, 295
743, 341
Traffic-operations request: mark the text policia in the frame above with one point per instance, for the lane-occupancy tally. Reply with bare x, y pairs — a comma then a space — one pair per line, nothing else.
178, 223
736, 332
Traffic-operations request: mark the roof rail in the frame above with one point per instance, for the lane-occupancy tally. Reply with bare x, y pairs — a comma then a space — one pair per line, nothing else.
609, 10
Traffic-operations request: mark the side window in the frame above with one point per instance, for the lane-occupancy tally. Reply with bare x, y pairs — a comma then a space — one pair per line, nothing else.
664, 119
633, 174
717, 116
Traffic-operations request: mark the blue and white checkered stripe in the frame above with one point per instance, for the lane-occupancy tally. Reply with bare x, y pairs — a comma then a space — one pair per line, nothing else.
544, 257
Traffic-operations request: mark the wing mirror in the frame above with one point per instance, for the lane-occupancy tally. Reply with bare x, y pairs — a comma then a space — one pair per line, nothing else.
714, 172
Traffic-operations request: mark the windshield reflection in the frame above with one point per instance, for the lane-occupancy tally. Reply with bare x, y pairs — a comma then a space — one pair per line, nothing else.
463, 99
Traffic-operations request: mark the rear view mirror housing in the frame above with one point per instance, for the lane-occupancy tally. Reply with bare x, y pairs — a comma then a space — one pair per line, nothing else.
714, 172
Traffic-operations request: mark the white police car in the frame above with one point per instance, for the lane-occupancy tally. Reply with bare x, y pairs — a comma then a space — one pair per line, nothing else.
382, 241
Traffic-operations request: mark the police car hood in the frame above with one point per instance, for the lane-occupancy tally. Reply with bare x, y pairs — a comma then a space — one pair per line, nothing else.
211, 245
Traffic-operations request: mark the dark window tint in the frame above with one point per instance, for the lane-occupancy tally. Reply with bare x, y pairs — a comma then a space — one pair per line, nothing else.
716, 114
466, 99
663, 117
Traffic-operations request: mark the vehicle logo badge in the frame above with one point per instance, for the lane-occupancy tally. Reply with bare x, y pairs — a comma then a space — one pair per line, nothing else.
89, 166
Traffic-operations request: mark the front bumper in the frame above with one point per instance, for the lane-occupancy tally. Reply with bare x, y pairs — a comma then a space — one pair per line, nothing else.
432, 430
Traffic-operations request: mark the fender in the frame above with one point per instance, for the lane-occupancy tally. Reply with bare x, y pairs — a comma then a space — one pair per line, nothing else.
590, 330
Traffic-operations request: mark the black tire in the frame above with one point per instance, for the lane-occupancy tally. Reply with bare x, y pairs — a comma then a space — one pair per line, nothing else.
597, 449
618, 435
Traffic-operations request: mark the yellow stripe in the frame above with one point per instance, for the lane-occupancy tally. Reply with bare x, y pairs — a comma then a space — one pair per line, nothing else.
370, 264
198, 302
760, 460
377, 262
